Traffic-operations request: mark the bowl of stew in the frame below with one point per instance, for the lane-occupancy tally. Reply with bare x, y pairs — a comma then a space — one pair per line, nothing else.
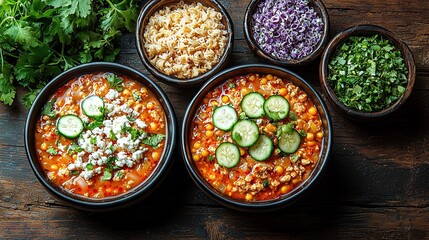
184, 43
100, 136
255, 137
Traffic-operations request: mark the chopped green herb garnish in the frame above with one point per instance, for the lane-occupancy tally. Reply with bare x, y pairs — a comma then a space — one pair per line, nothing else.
112, 135
285, 128
243, 116
293, 116
294, 157
73, 172
210, 158
265, 183
137, 97
110, 162
232, 85
134, 133
107, 175
48, 110
119, 174
154, 140
52, 151
89, 166
131, 119
219, 138
115, 81
74, 148
367, 73
93, 140
302, 133
93, 125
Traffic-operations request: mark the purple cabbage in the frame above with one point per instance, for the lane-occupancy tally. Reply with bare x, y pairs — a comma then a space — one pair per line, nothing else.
287, 29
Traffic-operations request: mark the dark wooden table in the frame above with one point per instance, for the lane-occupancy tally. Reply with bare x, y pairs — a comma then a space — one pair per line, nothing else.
376, 185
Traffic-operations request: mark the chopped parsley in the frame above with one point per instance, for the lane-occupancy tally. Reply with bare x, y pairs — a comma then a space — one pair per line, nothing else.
210, 158
93, 140
294, 157
119, 174
265, 183
154, 140
89, 166
137, 97
302, 133
115, 81
107, 175
293, 116
112, 136
93, 125
73, 172
52, 151
232, 85
367, 73
74, 148
243, 116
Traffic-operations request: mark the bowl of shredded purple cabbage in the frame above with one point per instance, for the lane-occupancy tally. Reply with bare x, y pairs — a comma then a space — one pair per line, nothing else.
286, 32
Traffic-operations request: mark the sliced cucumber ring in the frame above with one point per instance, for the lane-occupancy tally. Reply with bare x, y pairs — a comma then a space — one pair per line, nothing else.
276, 107
227, 155
289, 141
245, 133
252, 104
224, 117
93, 106
70, 126
262, 149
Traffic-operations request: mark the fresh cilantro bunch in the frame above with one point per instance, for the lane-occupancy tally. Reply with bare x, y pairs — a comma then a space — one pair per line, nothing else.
41, 38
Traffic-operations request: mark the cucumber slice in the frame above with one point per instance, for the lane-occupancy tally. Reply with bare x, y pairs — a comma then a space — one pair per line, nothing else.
252, 104
70, 126
289, 141
224, 117
262, 149
245, 133
276, 107
93, 106
227, 155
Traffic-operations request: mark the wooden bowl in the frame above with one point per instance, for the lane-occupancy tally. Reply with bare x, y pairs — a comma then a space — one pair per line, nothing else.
151, 8
257, 206
366, 30
318, 6
137, 193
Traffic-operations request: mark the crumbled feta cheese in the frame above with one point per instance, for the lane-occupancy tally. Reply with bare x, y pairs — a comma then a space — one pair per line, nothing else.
71, 166
112, 94
119, 123
140, 123
137, 155
87, 174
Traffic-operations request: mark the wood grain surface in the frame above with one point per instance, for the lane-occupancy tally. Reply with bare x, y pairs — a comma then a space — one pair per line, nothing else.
376, 185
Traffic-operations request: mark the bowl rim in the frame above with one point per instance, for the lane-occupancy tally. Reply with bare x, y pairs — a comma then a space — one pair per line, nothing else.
171, 80
138, 192
366, 30
254, 46
260, 206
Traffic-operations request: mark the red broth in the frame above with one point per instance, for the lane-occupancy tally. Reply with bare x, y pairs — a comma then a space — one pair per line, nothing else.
252, 180
114, 153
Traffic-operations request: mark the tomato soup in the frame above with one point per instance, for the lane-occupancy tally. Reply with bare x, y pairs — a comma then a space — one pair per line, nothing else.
256, 137
100, 135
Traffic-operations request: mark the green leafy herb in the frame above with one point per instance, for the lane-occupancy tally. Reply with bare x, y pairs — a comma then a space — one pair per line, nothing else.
89, 166
285, 128
112, 136
131, 119
293, 116
110, 162
210, 158
154, 140
134, 133
115, 81
48, 110
119, 174
302, 133
93, 125
73, 172
74, 148
137, 97
294, 157
243, 116
92, 140
52, 151
265, 183
219, 139
40, 39
367, 73
232, 85
107, 175
237, 136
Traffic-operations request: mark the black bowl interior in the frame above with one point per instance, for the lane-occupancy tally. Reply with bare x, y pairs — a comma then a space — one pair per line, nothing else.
108, 203
318, 6
221, 78
151, 8
366, 30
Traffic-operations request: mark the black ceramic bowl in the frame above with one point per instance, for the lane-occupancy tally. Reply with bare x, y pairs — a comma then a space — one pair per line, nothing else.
109, 203
366, 30
318, 6
152, 7
255, 206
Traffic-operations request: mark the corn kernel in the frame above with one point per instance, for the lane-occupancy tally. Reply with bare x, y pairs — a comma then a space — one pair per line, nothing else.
310, 136
229, 187
197, 145
263, 81
213, 103
212, 177
60, 102
242, 152
225, 99
252, 78
196, 158
319, 134
311, 143
153, 126
126, 92
150, 105
283, 91
209, 127
270, 77
312, 111
249, 197
44, 146
279, 169
284, 189
209, 134
54, 167
205, 153
155, 155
